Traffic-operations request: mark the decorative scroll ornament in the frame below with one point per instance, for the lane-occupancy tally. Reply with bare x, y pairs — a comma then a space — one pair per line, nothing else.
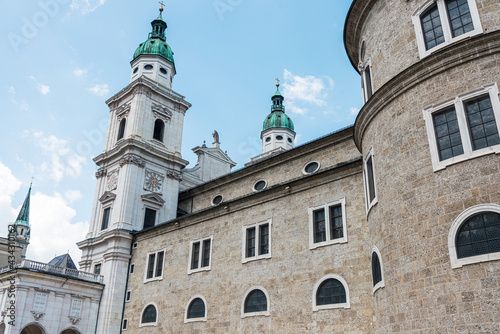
361, 66
37, 315
174, 174
74, 320
161, 112
153, 181
113, 180
122, 111
101, 172
132, 159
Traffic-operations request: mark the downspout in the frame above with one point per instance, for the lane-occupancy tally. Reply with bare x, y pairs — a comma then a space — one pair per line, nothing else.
126, 286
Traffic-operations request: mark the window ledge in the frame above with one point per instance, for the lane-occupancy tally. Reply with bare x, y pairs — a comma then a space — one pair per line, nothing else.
475, 154
149, 280
187, 321
328, 243
377, 286
459, 263
256, 258
194, 271
317, 308
152, 324
255, 314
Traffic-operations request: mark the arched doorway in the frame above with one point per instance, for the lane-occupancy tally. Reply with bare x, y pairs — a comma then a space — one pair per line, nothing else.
70, 331
33, 329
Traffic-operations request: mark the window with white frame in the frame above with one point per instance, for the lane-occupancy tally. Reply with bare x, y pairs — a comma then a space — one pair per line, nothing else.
76, 308
370, 185
132, 268
154, 268
257, 241
327, 224
366, 80
464, 127
331, 292
125, 324
149, 315
196, 310
200, 255
97, 268
40, 302
128, 295
377, 270
255, 302
105, 218
474, 236
441, 22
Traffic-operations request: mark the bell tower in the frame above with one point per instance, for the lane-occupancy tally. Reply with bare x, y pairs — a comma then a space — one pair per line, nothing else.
21, 230
139, 170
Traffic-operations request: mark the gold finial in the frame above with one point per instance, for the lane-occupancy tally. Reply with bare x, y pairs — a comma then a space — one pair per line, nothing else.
161, 7
32, 180
277, 82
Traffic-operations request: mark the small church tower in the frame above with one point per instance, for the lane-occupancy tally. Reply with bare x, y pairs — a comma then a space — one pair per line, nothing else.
277, 132
21, 228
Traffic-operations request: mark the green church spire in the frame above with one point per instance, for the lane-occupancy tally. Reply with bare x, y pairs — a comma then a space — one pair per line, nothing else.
22, 225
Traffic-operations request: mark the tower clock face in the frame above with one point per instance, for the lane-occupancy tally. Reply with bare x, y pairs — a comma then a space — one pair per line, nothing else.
112, 180
153, 182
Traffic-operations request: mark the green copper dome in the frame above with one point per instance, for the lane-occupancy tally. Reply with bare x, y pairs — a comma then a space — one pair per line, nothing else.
156, 43
277, 118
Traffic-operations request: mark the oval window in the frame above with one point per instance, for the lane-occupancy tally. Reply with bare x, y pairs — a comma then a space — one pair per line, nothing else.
217, 200
290, 140
259, 185
148, 67
311, 167
162, 70
136, 69
268, 139
279, 137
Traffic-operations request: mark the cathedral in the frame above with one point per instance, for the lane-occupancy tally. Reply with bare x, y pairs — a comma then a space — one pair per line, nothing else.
391, 225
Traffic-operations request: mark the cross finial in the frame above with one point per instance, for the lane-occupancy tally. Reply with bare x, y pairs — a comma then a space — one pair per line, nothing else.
161, 7
277, 82
32, 178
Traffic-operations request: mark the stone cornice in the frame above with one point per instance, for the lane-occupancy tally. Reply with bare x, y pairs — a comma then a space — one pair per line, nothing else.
334, 173
127, 146
144, 85
273, 161
443, 60
113, 234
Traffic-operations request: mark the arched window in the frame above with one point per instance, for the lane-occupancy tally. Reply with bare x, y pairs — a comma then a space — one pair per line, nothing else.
331, 292
149, 315
196, 310
121, 129
159, 130
255, 302
475, 236
377, 276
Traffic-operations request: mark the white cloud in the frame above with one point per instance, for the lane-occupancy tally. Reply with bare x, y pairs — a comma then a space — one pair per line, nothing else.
294, 109
52, 232
63, 161
353, 111
20, 104
308, 89
80, 73
99, 90
44, 89
9, 185
72, 195
86, 6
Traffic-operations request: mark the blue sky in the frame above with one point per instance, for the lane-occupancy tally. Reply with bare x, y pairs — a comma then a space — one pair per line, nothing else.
62, 59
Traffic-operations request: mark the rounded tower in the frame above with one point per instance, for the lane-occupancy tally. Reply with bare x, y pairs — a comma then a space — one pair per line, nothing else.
277, 130
429, 135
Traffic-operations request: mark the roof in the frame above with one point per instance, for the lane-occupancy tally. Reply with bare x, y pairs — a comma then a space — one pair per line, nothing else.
24, 214
63, 261
156, 43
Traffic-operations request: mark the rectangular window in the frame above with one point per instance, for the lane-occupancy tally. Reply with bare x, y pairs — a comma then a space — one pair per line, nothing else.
327, 224
257, 241
127, 297
442, 22
125, 323
154, 268
366, 81
369, 175
97, 269
200, 254
464, 128
40, 302
132, 268
149, 217
76, 308
105, 219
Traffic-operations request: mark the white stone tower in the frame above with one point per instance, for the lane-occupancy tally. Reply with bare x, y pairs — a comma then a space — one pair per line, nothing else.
139, 171
278, 131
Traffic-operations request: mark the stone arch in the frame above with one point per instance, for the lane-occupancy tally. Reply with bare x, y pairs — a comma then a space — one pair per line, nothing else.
71, 330
33, 328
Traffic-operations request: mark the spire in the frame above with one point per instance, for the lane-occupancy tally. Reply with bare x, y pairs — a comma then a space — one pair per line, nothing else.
24, 215
277, 99
159, 26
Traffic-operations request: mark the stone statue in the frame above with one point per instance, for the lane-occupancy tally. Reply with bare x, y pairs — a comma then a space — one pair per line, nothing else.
216, 137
